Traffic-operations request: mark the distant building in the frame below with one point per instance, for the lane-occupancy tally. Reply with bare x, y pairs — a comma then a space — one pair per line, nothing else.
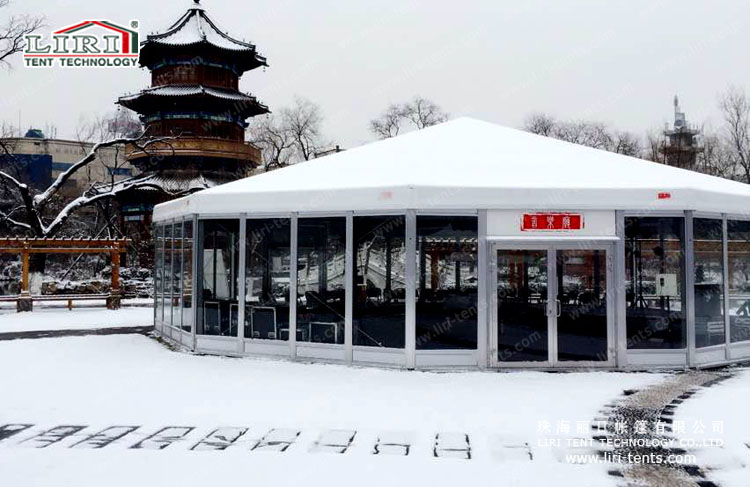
328, 152
681, 142
39, 160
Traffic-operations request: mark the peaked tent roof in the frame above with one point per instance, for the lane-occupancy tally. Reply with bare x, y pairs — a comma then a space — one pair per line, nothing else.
195, 28
467, 164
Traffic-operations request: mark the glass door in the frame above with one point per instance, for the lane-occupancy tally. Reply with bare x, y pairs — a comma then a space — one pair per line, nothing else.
522, 306
582, 311
551, 306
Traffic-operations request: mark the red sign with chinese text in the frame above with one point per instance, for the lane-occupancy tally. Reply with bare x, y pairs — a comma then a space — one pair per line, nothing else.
559, 222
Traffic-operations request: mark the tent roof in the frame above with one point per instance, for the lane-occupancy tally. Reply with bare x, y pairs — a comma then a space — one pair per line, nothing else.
467, 164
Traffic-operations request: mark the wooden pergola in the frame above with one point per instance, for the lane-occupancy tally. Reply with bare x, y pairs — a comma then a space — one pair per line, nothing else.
27, 246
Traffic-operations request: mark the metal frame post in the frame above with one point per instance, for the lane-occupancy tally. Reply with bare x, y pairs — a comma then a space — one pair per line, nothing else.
182, 273
411, 289
618, 286
155, 233
293, 287
197, 275
725, 283
241, 285
690, 287
483, 311
349, 289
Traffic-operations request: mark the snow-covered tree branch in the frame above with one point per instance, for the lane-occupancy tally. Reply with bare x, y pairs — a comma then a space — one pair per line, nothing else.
40, 221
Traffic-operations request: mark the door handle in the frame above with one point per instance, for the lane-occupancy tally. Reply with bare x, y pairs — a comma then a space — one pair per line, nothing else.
559, 307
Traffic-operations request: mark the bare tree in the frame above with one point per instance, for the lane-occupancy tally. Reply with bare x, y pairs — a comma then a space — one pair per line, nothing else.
540, 124
654, 149
423, 113
714, 159
626, 144
12, 33
389, 123
293, 136
419, 112
735, 107
303, 120
274, 139
590, 134
108, 165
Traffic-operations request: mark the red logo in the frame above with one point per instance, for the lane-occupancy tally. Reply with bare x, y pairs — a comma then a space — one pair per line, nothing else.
559, 222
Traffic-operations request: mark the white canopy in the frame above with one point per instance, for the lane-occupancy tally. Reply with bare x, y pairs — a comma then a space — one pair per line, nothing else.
468, 164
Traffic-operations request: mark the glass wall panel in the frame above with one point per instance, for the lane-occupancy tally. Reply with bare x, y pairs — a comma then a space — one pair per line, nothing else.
187, 277
655, 284
379, 317
321, 247
159, 272
167, 275
446, 314
219, 266
708, 236
177, 275
267, 279
739, 279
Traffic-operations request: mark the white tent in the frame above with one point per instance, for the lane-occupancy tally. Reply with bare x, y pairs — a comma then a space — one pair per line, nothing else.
503, 249
469, 164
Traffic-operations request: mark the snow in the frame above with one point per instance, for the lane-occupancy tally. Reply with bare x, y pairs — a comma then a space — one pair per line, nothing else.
727, 404
81, 317
468, 164
102, 381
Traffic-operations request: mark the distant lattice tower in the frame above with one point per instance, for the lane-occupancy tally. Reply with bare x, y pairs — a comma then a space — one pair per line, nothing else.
681, 143
194, 95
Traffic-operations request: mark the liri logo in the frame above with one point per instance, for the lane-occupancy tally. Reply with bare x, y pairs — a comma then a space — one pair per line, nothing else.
91, 43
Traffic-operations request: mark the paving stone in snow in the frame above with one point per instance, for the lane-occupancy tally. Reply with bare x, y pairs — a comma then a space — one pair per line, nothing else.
219, 439
334, 441
277, 439
8, 430
163, 438
452, 445
105, 437
393, 443
52, 436
514, 452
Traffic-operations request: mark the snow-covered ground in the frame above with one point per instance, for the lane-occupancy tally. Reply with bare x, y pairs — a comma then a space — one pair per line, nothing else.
79, 318
121, 380
716, 424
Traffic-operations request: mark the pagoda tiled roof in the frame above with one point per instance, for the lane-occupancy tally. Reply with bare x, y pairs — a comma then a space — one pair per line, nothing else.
138, 100
195, 29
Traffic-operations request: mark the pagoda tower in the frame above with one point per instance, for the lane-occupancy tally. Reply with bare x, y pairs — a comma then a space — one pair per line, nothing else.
194, 97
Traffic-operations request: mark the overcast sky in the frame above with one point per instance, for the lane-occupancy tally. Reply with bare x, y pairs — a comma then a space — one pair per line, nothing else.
616, 61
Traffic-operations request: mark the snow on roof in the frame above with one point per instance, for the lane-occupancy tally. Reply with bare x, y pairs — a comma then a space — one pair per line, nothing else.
467, 164
188, 90
195, 26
